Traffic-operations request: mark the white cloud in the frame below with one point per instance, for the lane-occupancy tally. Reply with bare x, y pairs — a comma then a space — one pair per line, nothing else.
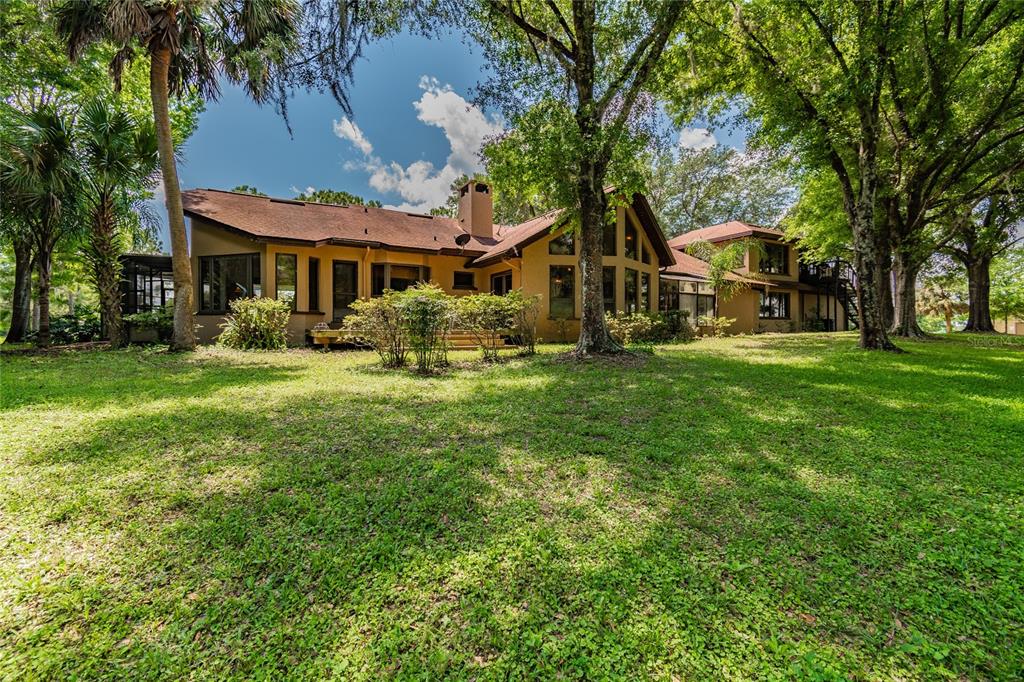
421, 185
696, 138
347, 130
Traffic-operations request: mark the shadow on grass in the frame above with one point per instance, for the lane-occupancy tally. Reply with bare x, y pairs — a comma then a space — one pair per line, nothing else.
702, 514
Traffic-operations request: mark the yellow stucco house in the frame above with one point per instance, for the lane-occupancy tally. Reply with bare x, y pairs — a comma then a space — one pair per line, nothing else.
783, 294
322, 257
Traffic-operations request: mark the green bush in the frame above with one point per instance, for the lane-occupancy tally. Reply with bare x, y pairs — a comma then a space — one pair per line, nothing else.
629, 328
160, 320
527, 312
256, 324
717, 325
487, 317
427, 315
78, 327
378, 323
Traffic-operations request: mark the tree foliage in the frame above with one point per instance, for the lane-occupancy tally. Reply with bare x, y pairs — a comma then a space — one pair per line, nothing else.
694, 188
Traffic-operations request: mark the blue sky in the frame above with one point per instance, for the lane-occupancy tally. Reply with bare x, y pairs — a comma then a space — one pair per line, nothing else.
412, 132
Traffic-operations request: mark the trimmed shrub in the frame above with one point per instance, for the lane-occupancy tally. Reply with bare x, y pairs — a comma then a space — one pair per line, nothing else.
377, 322
717, 325
628, 328
256, 324
677, 325
427, 315
487, 317
527, 312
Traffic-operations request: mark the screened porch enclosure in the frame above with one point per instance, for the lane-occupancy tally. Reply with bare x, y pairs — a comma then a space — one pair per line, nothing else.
147, 283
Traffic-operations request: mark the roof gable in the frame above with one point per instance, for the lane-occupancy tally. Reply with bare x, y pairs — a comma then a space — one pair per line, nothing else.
734, 229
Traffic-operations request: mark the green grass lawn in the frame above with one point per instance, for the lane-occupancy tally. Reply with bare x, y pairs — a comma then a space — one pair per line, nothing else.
747, 508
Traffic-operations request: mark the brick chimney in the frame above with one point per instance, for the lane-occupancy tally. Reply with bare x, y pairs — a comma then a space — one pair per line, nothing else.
476, 209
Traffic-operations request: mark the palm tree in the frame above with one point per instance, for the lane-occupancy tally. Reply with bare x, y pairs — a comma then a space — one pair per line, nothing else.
39, 180
119, 154
188, 42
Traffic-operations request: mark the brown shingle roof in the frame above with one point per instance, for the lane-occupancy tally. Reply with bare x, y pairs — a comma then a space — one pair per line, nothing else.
691, 266
269, 219
287, 220
734, 229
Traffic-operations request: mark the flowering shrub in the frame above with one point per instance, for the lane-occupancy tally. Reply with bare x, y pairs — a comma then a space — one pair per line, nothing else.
427, 315
378, 323
256, 324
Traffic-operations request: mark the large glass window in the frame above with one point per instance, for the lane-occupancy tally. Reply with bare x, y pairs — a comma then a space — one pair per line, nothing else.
314, 284
668, 295
345, 287
147, 283
609, 247
396, 277
284, 277
562, 245
632, 286
224, 278
501, 283
775, 260
632, 241
645, 291
645, 255
774, 306
562, 301
608, 286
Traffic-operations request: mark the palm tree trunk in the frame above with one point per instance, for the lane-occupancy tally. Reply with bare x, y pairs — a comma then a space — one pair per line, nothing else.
22, 294
45, 264
107, 270
184, 335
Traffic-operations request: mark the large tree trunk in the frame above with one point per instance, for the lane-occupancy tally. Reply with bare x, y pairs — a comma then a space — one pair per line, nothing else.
184, 336
22, 294
979, 281
103, 253
594, 336
865, 246
905, 321
45, 264
883, 260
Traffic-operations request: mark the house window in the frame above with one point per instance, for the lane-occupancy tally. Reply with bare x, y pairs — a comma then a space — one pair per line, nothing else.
705, 306
501, 283
562, 301
631, 241
284, 277
774, 306
608, 286
222, 279
464, 280
608, 241
775, 260
645, 291
313, 304
632, 277
147, 283
396, 277
645, 255
562, 245
668, 295
344, 287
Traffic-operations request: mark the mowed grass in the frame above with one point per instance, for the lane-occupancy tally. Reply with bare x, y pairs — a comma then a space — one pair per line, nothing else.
748, 508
